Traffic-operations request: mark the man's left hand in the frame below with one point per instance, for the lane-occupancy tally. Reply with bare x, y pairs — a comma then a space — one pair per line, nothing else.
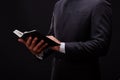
56, 48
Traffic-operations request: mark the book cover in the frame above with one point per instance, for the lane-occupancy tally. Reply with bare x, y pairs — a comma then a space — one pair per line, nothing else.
34, 33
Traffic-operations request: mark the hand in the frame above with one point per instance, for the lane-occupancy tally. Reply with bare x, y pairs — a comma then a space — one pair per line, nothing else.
33, 46
56, 48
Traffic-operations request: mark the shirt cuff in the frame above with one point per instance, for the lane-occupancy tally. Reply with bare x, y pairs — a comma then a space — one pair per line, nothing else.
40, 56
62, 47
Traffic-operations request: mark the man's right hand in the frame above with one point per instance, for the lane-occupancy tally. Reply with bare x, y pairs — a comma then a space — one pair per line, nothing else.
33, 46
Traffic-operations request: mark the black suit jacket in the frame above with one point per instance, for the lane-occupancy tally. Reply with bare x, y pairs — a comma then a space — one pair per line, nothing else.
85, 27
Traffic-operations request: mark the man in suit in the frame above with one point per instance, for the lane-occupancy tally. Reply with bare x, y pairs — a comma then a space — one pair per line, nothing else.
83, 30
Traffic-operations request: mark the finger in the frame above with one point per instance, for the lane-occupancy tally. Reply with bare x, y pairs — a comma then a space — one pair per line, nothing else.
42, 48
28, 42
21, 40
38, 45
50, 37
34, 41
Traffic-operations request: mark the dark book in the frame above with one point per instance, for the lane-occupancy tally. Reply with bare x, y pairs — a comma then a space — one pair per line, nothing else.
34, 33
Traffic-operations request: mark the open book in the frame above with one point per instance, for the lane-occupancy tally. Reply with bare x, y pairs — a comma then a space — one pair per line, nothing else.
35, 33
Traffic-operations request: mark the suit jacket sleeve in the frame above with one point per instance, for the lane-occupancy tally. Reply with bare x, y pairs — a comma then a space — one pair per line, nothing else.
101, 23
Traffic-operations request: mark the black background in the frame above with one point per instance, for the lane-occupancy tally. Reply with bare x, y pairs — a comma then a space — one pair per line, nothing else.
17, 63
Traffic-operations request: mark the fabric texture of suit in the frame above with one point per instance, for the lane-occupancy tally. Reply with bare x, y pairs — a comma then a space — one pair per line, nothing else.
85, 26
